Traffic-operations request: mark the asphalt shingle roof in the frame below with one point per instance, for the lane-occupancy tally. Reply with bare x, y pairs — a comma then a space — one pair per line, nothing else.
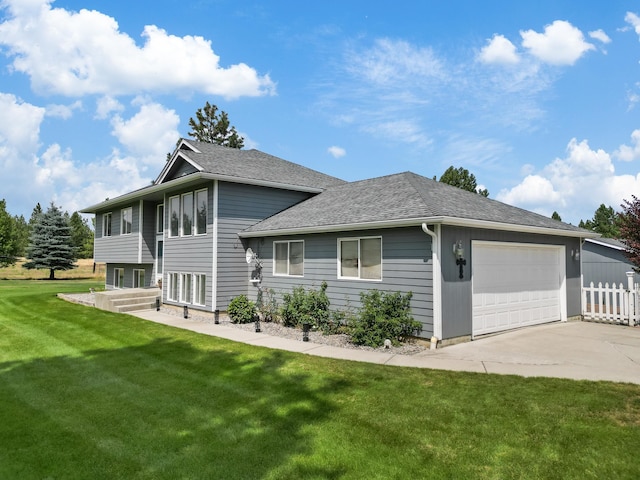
256, 165
403, 196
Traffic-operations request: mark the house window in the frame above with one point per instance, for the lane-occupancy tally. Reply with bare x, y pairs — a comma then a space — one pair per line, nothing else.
200, 290
106, 224
159, 256
360, 258
127, 215
288, 258
174, 287
174, 219
118, 278
187, 214
185, 288
160, 218
201, 212
138, 278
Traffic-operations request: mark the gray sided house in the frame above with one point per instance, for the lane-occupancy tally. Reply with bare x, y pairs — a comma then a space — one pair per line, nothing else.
604, 261
474, 265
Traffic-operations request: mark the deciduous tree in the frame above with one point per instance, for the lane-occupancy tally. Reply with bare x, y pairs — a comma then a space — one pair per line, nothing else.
50, 243
213, 127
630, 230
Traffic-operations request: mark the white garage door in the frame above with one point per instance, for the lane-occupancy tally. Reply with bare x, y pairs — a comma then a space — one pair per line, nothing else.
516, 285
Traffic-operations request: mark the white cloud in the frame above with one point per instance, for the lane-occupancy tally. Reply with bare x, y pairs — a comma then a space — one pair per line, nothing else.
628, 153
633, 20
107, 105
560, 44
499, 50
19, 122
600, 35
64, 112
336, 152
56, 165
391, 60
149, 134
577, 184
80, 53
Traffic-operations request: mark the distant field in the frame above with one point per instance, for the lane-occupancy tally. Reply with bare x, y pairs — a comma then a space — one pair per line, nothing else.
84, 270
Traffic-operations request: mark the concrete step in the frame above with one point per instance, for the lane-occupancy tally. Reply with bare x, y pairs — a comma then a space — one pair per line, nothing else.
135, 307
134, 300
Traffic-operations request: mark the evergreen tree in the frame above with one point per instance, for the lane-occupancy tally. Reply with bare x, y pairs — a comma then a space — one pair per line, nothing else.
37, 211
211, 127
81, 236
630, 230
461, 178
8, 245
50, 245
556, 216
21, 234
605, 221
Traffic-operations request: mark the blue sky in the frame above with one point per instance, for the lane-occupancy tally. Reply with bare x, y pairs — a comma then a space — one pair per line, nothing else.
540, 100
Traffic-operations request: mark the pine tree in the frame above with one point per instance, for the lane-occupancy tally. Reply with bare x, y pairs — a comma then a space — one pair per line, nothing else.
213, 128
556, 216
8, 245
461, 178
50, 243
81, 236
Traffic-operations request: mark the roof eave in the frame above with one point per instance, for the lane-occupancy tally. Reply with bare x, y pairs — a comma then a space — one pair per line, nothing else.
443, 220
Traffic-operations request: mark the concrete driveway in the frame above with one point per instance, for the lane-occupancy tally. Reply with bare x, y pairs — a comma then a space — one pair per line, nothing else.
578, 350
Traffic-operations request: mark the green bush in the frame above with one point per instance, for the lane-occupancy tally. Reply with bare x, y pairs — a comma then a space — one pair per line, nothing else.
381, 316
241, 309
267, 305
305, 306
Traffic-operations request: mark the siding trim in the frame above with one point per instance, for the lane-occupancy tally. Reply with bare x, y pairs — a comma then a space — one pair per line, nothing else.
140, 219
214, 263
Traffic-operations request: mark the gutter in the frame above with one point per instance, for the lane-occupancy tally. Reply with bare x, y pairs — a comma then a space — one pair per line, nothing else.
410, 222
437, 282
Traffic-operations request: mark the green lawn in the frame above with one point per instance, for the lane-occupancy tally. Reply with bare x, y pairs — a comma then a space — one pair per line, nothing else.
93, 395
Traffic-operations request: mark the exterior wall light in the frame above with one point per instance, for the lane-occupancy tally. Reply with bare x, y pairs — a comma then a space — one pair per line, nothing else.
458, 252
575, 254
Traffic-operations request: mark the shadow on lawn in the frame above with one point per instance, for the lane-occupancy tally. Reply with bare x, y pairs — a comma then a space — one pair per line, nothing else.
165, 409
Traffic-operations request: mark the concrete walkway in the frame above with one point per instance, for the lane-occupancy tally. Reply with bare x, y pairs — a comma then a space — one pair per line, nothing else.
577, 350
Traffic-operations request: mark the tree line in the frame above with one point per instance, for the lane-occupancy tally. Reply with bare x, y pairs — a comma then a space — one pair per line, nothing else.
51, 239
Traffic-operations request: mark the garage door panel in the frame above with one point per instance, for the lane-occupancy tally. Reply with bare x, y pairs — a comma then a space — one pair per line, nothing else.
514, 285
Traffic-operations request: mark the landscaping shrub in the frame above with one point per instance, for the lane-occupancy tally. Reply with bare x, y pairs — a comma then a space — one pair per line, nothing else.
381, 316
305, 306
267, 305
241, 309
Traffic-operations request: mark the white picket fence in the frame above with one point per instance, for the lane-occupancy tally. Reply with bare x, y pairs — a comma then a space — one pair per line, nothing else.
614, 304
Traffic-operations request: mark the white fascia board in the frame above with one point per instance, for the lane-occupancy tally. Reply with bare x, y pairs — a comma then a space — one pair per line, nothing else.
458, 222
605, 244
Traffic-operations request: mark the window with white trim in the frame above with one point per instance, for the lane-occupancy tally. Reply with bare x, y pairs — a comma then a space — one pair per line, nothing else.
118, 278
138, 278
200, 289
201, 211
288, 258
360, 258
106, 224
127, 218
160, 218
173, 288
174, 216
185, 288
187, 214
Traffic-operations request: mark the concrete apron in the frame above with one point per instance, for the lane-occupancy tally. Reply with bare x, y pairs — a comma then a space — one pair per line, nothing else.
578, 350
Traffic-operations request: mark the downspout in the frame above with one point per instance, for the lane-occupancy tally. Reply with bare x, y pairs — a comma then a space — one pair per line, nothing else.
437, 280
